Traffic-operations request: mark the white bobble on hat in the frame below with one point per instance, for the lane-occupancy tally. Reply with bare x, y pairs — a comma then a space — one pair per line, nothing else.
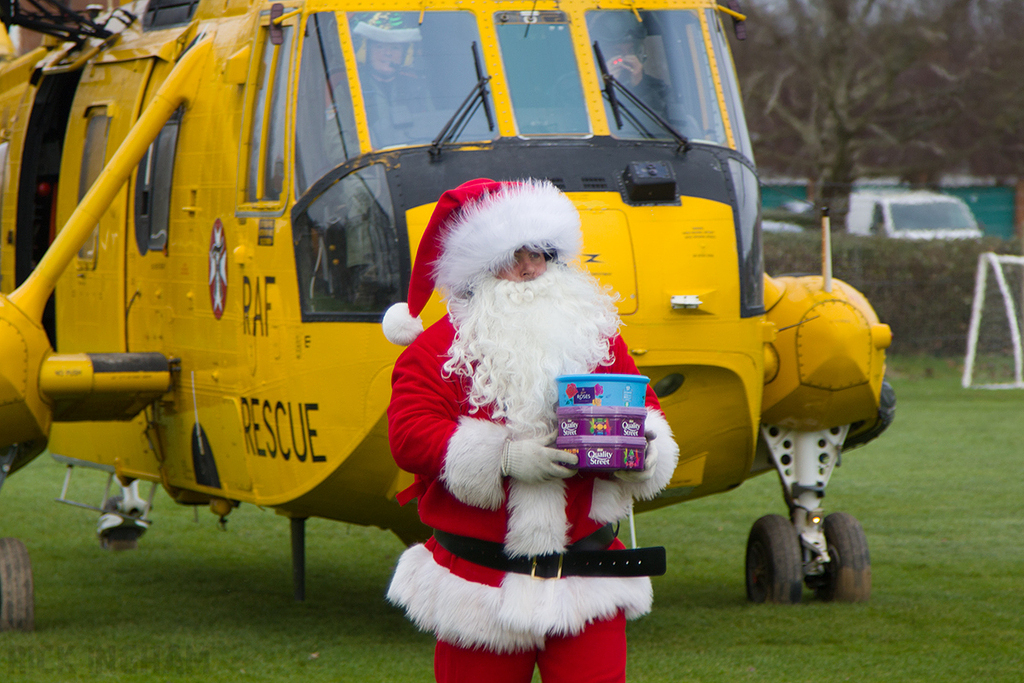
399, 325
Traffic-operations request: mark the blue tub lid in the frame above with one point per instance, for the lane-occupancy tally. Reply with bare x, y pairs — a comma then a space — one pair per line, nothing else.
599, 377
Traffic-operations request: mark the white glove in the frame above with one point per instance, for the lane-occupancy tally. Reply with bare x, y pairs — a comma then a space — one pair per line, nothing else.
532, 461
650, 462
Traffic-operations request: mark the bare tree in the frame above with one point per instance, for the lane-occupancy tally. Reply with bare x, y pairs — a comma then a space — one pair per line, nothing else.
832, 87
977, 126
992, 135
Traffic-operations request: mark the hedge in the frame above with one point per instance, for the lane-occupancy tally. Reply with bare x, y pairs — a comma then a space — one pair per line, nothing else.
922, 289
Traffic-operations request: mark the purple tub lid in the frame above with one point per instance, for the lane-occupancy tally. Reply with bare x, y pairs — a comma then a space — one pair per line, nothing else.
601, 411
602, 442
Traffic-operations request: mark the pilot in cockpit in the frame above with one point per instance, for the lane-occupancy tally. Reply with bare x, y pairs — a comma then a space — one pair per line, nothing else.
394, 92
621, 39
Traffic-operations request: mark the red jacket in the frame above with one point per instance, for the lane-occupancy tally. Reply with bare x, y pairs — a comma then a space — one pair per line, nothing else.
456, 458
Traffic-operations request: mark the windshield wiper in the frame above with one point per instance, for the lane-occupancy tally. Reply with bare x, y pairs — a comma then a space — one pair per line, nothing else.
611, 85
461, 117
330, 86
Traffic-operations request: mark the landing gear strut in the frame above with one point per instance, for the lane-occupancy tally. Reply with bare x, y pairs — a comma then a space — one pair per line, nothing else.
829, 554
123, 517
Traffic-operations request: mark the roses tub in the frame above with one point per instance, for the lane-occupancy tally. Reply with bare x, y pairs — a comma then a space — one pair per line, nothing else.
601, 420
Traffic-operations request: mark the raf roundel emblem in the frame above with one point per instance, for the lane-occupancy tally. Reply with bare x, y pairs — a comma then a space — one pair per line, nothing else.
218, 269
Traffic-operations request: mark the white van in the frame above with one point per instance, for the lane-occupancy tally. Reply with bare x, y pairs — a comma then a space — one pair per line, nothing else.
910, 214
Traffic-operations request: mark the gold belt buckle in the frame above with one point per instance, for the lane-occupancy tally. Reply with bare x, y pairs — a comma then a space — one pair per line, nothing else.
533, 568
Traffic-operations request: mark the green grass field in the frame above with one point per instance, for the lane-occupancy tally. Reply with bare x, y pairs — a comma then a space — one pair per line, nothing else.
940, 496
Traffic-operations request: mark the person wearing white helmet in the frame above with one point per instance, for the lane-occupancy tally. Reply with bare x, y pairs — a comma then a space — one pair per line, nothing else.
393, 93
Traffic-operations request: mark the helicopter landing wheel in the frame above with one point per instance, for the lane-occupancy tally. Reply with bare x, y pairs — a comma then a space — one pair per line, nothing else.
847, 576
774, 562
17, 603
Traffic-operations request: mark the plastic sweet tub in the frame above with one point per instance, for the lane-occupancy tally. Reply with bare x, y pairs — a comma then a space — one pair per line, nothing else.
608, 453
601, 421
625, 391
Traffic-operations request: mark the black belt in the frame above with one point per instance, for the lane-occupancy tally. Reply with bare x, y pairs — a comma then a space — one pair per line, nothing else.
587, 557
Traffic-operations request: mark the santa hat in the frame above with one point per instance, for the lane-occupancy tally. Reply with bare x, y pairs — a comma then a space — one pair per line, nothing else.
474, 233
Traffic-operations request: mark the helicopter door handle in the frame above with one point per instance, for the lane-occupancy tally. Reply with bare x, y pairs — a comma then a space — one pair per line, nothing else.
686, 301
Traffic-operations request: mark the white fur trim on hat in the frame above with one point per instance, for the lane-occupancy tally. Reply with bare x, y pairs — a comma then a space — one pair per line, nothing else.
399, 326
484, 237
517, 615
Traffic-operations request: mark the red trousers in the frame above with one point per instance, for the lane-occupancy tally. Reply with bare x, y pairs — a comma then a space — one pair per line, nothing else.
597, 655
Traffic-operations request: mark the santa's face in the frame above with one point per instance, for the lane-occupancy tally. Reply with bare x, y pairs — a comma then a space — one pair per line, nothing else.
514, 337
529, 265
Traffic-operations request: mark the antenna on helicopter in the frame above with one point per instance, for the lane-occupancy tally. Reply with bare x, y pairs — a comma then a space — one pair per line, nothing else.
826, 250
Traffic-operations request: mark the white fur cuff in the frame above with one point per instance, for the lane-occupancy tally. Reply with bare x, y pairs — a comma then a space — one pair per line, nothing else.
472, 465
668, 457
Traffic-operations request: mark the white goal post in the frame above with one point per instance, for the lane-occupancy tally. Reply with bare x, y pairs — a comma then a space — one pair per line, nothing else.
996, 262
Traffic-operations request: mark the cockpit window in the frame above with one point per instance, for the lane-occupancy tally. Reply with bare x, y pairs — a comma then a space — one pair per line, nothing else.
543, 78
748, 238
727, 72
346, 249
414, 76
663, 62
325, 130
94, 157
265, 168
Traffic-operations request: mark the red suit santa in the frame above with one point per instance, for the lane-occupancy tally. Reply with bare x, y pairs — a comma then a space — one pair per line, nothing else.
472, 416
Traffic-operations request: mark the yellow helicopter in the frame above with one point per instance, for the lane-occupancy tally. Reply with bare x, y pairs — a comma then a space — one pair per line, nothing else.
207, 206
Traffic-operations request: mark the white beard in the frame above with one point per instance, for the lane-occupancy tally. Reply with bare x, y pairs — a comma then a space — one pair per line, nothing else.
514, 338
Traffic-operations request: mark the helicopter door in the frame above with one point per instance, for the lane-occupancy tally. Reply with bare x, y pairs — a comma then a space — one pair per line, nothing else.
91, 295
148, 307
264, 178
38, 181
262, 175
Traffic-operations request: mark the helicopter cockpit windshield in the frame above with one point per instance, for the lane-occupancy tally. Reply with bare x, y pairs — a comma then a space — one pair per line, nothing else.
661, 59
543, 80
414, 75
325, 131
414, 72
424, 80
